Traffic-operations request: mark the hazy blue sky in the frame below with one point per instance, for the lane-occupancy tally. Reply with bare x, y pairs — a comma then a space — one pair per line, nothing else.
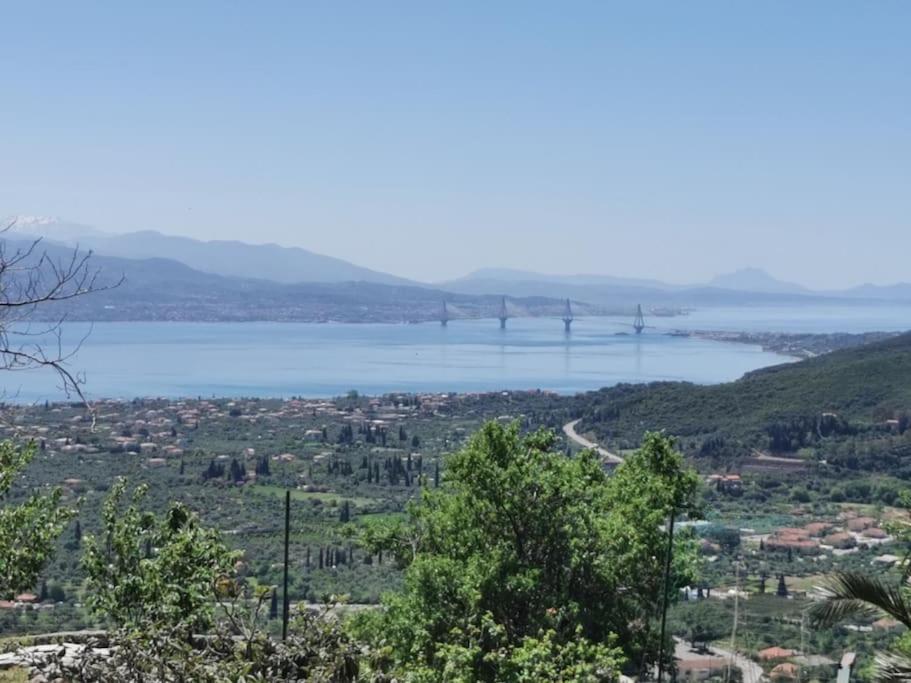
671, 139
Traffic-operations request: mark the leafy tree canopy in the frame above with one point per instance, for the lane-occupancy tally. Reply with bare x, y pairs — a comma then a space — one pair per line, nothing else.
28, 531
529, 565
146, 571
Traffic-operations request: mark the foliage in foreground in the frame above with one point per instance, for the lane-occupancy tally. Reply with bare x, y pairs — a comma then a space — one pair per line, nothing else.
317, 649
525, 565
168, 585
853, 593
528, 565
847, 594
145, 571
28, 532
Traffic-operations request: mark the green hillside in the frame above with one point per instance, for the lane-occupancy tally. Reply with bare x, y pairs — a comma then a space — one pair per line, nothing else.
781, 408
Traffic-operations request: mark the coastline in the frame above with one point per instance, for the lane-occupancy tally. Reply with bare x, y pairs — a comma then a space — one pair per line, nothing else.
789, 344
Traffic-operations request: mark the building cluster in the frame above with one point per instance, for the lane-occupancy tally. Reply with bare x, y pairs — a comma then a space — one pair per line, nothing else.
849, 532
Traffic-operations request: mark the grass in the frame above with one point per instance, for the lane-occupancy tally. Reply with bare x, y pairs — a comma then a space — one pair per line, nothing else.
328, 497
15, 675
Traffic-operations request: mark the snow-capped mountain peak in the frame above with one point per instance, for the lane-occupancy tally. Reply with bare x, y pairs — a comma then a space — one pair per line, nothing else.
51, 227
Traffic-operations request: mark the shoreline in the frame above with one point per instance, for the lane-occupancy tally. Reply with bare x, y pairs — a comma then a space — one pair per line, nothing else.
795, 345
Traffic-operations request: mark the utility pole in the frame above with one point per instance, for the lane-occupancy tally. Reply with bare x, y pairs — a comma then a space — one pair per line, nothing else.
286, 604
727, 673
667, 580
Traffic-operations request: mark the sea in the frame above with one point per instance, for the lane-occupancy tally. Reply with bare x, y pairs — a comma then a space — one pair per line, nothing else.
270, 359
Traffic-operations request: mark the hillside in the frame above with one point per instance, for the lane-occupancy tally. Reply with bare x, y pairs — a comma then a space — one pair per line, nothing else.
165, 289
780, 408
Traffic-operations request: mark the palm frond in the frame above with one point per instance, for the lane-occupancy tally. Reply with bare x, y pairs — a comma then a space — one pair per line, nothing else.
848, 594
892, 668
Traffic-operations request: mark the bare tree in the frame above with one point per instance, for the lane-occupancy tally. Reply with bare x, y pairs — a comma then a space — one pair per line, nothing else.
34, 287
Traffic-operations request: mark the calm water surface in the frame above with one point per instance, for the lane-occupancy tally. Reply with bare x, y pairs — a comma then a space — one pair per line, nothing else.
122, 360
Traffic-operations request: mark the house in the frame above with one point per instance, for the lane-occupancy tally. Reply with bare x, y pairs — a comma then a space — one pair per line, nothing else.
726, 483
847, 665
772, 653
886, 624
785, 672
860, 523
817, 529
700, 669
875, 532
840, 540
887, 559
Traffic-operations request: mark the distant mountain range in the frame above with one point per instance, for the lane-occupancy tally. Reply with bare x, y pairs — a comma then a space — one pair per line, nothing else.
164, 289
156, 262
219, 257
747, 286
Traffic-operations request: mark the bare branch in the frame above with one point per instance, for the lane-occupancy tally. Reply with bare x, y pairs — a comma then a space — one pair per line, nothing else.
33, 286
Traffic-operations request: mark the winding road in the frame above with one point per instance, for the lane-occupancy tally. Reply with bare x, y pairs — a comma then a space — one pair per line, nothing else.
570, 430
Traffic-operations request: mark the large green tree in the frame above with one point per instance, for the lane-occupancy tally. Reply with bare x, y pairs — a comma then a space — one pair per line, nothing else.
527, 563
147, 571
29, 530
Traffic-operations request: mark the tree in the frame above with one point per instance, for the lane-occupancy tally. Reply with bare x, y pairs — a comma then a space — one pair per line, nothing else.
35, 286
28, 531
782, 590
175, 586
522, 550
273, 605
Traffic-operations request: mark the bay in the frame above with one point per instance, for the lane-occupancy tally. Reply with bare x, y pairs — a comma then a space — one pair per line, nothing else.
177, 359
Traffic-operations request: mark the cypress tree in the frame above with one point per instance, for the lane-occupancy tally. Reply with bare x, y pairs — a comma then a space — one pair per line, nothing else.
273, 605
782, 587
436, 474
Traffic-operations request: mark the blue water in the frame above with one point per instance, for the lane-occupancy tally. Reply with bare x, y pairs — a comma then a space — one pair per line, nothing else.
123, 360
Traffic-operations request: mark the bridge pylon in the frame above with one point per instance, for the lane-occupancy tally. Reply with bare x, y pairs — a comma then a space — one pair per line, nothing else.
639, 322
503, 314
567, 317
444, 314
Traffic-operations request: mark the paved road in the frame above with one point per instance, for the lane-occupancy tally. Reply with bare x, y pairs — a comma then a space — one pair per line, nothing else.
570, 430
752, 672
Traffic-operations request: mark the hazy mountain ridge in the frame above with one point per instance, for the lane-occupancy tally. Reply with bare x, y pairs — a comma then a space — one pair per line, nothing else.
229, 258
747, 286
294, 265
165, 289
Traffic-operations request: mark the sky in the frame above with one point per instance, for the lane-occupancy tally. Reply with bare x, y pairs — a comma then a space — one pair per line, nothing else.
673, 140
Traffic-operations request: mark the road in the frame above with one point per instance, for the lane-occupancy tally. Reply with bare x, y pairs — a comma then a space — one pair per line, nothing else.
752, 672
570, 430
